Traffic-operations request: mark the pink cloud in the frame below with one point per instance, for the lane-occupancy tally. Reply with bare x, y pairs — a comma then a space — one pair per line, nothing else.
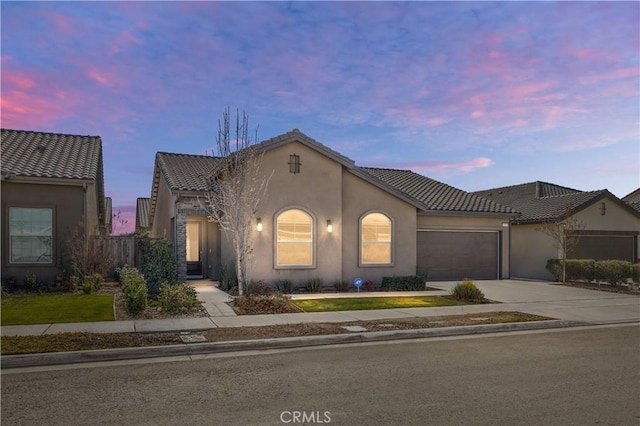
446, 167
17, 80
101, 77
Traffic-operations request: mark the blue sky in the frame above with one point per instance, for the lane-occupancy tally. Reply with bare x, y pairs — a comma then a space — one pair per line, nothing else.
474, 94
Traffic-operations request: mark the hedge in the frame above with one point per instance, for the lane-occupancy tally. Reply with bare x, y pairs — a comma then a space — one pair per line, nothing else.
406, 283
612, 271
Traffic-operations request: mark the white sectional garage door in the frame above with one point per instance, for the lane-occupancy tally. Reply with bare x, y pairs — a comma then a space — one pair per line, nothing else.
453, 255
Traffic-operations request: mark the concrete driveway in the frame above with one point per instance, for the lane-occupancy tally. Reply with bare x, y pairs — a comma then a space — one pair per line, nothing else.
558, 301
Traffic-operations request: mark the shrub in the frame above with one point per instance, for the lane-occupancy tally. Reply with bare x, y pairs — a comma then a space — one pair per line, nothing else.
159, 265
97, 281
613, 271
30, 280
369, 285
580, 269
315, 285
342, 286
258, 287
284, 286
555, 268
467, 290
228, 276
274, 303
635, 272
406, 283
87, 286
179, 298
134, 290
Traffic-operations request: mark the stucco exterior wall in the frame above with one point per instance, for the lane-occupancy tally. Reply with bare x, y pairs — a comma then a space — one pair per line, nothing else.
360, 197
616, 218
67, 204
317, 190
164, 211
472, 223
93, 220
530, 250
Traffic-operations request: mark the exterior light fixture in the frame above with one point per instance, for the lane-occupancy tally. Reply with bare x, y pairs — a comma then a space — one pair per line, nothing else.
259, 224
329, 226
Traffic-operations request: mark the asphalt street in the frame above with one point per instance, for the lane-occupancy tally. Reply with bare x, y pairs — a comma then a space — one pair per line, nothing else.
566, 377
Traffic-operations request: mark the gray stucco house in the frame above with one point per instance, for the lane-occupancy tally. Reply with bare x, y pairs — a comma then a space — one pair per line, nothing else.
611, 225
325, 217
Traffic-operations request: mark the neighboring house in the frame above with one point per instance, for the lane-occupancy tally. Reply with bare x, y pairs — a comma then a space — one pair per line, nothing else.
611, 226
324, 217
52, 186
142, 214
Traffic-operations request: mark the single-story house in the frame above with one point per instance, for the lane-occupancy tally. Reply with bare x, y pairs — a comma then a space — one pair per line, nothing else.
52, 186
325, 217
609, 226
142, 214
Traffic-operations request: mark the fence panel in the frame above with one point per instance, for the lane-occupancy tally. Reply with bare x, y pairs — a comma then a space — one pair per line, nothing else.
118, 249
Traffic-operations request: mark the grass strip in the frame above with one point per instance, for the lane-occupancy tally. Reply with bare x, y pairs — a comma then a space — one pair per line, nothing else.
366, 303
58, 308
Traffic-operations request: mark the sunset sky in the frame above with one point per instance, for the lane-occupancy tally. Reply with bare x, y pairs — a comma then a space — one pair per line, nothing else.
477, 94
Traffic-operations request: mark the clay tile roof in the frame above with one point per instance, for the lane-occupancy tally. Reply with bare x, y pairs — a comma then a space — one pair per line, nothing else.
434, 195
50, 155
185, 172
542, 201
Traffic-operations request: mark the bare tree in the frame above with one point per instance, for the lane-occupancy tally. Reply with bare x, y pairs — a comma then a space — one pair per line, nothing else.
565, 234
237, 187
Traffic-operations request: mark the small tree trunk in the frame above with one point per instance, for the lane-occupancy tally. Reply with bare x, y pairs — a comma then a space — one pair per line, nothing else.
239, 271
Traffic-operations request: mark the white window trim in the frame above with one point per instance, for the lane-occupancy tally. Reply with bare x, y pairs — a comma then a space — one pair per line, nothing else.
313, 239
361, 264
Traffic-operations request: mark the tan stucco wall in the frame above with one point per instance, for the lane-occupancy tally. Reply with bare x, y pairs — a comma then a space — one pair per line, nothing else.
93, 221
316, 190
359, 198
616, 218
164, 211
530, 250
471, 223
67, 204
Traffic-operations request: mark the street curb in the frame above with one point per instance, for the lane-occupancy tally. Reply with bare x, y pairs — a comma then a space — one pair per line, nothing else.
121, 354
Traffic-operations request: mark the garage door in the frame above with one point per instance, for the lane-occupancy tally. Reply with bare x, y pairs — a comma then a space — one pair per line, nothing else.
448, 256
604, 247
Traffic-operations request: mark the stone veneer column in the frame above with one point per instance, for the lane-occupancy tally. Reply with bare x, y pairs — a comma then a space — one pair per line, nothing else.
181, 243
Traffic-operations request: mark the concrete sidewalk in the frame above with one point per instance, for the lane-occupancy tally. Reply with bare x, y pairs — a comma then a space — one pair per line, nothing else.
539, 298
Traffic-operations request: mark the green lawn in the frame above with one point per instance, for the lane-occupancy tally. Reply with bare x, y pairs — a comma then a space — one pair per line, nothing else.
57, 308
364, 303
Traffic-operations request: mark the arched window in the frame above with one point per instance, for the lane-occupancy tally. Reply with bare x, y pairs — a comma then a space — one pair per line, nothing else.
375, 239
294, 239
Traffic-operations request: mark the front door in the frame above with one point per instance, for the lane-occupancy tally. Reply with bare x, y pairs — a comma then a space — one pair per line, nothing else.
194, 250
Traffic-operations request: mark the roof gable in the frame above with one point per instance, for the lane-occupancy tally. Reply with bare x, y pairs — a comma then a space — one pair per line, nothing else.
546, 202
191, 173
